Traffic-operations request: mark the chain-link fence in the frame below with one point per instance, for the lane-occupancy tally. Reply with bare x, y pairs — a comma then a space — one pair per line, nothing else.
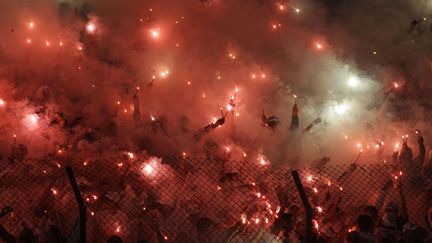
196, 200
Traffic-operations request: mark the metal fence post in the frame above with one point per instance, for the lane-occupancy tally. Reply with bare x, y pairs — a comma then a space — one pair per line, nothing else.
307, 206
82, 208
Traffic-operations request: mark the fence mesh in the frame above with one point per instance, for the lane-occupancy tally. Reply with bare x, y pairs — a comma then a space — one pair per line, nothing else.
197, 200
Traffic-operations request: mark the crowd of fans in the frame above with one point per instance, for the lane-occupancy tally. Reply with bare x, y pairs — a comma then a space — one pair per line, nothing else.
384, 220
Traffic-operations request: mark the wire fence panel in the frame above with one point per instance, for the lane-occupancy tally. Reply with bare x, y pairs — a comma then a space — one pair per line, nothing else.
184, 199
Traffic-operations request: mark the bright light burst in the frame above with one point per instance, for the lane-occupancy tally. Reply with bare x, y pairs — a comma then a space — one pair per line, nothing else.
353, 81
341, 109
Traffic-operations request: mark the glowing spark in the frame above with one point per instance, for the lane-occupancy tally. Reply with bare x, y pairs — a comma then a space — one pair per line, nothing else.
90, 27
118, 229
120, 164
374, 52
315, 190
228, 149
31, 24
47, 43
2, 103
189, 83
266, 220
131, 155
219, 188
316, 224
309, 178
281, 7
184, 154
164, 74
400, 173
297, 10
329, 183
257, 220
243, 219
262, 161
341, 188
165, 237
54, 191
92, 213
319, 209
318, 45
29, 41
263, 75
346, 137
80, 48
61, 43
244, 155
253, 75
232, 56
237, 114
118, 102
148, 169
155, 33
152, 118
203, 94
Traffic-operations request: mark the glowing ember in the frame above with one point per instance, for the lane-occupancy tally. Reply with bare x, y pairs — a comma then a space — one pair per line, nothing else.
2, 103
148, 169
90, 27
155, 33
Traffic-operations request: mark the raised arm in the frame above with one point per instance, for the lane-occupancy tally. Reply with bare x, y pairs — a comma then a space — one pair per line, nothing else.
422, 150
